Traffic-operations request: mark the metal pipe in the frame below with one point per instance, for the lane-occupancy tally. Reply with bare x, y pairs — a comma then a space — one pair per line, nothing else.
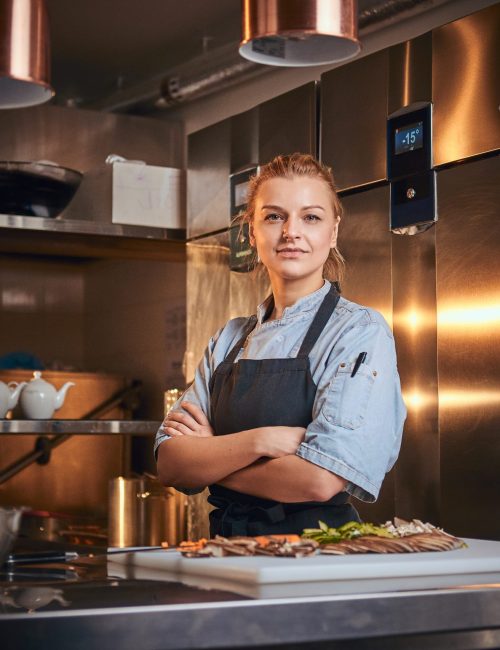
223, 66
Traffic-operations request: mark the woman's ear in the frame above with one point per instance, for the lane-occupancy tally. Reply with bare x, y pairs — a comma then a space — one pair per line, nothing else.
335, 233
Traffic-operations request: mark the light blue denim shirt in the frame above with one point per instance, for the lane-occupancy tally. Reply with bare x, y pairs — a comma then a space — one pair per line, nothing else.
357, 422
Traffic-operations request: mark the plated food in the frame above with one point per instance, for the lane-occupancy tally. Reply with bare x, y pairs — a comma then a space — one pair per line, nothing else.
400, 536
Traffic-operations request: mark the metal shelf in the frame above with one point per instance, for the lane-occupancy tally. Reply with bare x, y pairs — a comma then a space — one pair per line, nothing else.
85, 238
79, 427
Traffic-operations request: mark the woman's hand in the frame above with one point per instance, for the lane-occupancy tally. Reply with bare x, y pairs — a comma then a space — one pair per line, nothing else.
192, 423
276, 442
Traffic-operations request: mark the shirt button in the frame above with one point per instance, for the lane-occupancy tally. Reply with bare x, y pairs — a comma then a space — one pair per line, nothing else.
374, 373
342, 365
280, 339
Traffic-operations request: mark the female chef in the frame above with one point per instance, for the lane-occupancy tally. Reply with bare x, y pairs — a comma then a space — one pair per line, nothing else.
299, 406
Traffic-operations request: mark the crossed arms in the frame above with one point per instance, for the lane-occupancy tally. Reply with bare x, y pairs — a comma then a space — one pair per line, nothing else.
260, 462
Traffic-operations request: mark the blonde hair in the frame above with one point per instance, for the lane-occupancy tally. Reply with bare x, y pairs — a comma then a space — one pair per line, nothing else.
291, 166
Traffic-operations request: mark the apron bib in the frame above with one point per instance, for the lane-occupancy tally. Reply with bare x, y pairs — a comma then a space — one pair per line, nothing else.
269, 392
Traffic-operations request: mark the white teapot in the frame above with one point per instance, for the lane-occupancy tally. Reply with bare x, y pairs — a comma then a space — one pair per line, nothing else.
40, 399
9, 394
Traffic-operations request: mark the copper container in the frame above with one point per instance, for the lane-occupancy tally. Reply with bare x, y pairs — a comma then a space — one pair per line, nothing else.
299, 32
24, 53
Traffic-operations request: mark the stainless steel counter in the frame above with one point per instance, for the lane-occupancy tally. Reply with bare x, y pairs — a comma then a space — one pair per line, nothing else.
109, 612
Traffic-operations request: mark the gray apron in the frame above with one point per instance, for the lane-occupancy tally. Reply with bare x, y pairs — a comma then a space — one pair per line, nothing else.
269, 392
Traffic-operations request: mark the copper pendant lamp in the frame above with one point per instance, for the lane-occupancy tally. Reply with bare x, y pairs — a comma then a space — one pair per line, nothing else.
24, 53
299, 32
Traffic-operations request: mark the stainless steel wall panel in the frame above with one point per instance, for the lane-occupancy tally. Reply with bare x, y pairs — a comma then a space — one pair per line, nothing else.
468, 294
466, 84
209, 156
288, 123
410, 73
207, 310
365, 242
353, 120
244, 140
247, 290
414, 314
207, 294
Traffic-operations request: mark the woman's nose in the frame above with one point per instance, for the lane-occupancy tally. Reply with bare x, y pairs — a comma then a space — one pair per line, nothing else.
291, 229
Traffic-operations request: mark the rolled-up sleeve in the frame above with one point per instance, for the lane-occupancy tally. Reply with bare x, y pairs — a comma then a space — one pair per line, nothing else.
358, 421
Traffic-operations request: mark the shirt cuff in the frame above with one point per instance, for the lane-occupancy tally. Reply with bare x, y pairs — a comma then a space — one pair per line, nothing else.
161, 436
357, 484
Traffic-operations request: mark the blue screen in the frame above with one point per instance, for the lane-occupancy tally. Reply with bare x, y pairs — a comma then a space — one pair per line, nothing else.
408, 138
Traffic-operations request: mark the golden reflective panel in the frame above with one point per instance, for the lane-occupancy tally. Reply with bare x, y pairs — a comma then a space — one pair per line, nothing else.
480, 317
464, 398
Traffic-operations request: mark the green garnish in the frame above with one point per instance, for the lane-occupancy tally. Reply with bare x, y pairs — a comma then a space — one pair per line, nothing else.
351, 530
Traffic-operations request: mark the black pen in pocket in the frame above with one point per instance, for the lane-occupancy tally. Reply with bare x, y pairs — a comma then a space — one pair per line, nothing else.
361, 359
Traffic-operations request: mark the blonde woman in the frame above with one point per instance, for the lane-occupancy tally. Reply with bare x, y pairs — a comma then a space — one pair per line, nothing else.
297, 408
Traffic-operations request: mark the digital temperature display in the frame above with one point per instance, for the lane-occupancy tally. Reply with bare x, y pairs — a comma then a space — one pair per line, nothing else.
408, 138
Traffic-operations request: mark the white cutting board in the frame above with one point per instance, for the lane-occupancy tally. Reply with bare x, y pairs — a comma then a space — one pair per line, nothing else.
325, 574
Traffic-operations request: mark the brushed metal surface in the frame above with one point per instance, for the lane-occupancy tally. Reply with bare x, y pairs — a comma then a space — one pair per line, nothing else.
353, 120
468, 325
244, 140
465, 619
365, 242
414, 318
466, 83
80, 427
208, 305
410, 73
82, 227
209, 155
288, 123
74, 482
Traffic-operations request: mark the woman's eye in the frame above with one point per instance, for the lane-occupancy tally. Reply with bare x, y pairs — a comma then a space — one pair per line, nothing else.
312, 217
272, 216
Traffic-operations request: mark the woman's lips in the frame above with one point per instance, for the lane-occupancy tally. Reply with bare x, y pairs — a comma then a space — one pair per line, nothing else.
290, 252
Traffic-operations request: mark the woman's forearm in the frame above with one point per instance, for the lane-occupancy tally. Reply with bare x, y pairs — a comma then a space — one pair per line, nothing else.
289, 479
193, 462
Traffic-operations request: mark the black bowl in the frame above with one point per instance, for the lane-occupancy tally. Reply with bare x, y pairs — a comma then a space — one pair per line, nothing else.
33, 189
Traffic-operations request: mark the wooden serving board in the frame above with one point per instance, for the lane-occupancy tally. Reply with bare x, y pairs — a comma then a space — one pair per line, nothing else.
261, 576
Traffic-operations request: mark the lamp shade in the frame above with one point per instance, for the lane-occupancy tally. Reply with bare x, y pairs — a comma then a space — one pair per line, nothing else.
299, 32
24, 53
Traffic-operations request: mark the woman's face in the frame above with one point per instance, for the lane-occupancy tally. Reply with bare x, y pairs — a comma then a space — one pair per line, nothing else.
294, 227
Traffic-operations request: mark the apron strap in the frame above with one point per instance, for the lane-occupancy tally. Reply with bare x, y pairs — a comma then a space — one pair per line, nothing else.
252, 321
320, 320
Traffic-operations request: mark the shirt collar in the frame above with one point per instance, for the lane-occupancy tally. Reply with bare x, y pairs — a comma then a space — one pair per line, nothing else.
306, 303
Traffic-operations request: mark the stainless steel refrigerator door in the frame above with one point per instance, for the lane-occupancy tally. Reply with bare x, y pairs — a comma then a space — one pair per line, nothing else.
353, 120
365, 242
468, 347
288, 123
466, 86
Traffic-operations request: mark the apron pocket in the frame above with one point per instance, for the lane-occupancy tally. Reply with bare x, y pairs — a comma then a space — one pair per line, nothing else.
349, 396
